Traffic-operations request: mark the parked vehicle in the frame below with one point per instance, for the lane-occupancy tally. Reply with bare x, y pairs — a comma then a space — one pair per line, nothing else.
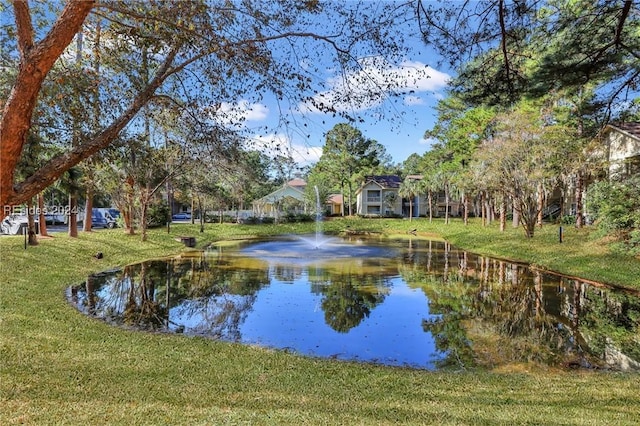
16, 224
102, 218
181, 216
109, 214
54, 219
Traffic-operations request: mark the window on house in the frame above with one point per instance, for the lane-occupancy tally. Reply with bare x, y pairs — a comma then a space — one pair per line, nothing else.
373, 210
373, 196
632, 166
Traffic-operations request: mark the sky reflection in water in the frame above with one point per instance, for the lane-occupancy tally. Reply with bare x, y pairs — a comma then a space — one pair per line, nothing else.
405, 302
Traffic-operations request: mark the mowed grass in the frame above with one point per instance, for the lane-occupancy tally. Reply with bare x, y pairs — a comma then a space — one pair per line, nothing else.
60, 367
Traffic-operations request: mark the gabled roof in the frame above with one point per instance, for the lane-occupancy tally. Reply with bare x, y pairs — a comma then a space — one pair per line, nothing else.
385, 181
630, 129
335, 199
284, 191
297, 183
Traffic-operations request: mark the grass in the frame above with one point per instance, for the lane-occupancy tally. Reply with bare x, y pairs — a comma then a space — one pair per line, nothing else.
60, 367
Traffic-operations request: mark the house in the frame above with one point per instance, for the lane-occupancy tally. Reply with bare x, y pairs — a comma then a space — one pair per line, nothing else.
622, 144
335, 205
290, 198
378, 196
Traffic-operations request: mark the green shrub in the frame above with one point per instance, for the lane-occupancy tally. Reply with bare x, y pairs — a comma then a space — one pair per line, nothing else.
157, 215
615, 207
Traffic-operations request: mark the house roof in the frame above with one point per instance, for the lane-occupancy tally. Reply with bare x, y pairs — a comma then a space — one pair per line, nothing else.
335, 199
297, 183
284, 191
385, 181
631, 129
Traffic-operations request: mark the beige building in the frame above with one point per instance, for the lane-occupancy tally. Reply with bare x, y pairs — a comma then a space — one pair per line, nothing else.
378, 196
622, 144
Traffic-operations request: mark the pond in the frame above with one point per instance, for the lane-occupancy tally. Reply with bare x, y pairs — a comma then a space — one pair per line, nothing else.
404, 302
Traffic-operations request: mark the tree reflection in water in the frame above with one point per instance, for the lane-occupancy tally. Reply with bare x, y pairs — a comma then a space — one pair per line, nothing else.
459, 310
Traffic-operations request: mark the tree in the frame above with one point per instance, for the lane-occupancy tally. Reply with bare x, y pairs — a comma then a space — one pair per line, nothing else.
409, 188
520, 158
507, 50
348, 154
209, 53
35, 62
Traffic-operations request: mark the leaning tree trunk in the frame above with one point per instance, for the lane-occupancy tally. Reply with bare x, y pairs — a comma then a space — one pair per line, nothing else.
36, 60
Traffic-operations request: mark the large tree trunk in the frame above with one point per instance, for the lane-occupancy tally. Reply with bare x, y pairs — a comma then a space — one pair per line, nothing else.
31, 224
12, 194
73, 216
88, 211
36, 60
42, 220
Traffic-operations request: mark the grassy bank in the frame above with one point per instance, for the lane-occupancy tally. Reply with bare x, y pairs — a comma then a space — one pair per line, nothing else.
60, 367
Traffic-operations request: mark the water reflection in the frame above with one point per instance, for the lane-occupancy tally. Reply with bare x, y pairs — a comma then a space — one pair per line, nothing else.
418, 303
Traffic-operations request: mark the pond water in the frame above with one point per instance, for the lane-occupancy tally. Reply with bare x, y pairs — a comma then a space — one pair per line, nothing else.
403, 302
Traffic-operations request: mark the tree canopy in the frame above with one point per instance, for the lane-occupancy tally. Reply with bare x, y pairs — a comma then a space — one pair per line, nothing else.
200, 57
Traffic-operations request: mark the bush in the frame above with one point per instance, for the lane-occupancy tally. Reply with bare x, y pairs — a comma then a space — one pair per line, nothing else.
157, 215
615, 207
568, 219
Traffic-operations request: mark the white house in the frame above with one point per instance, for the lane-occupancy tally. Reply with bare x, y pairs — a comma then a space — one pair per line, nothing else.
290, 198
378, 196
622, 143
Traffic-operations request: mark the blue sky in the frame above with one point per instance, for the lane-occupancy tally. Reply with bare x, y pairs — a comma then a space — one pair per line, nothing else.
397, 123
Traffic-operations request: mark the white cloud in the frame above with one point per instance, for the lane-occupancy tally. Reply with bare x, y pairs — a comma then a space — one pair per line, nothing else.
275, 144
240, 112
374, 82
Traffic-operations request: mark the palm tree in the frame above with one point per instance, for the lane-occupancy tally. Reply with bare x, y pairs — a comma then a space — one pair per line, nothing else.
409, 188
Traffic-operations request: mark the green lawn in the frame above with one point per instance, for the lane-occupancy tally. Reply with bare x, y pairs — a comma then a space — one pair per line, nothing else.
60, 367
